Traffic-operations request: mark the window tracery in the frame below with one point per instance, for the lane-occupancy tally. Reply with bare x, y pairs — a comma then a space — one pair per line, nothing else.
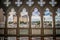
47, 18
12, 19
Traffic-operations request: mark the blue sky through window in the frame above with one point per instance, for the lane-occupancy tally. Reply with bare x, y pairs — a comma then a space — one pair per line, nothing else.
47, 12
35, 12
58, 15
35, 15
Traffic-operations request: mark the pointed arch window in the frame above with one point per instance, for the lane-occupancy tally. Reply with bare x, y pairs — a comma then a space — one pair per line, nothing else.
2, 19
47, 18
35, 19
35, 22
24, 19
12, 19
57, 21
2, 22
57, 18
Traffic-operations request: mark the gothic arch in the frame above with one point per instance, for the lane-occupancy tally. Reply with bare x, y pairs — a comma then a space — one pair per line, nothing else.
9, 9
23, 6
48, 6
35, 6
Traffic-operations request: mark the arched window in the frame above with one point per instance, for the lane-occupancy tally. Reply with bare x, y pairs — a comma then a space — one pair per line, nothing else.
12, 22
2, 22
57, 21
35, 19
47, 19
57, 18
35, 22
24, 19
47, 22
2, 19
12, 19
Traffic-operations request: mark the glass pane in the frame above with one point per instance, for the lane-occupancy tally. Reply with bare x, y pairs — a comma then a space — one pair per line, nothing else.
24, 19
48, 31
36, 31
57, 19
12, 19
1, 31
24, 31
36, 38
1, 38
2, 19
23, 38
11, 38
12, 31
57, 38
48, 38
35, 19
47, 19
57, 31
